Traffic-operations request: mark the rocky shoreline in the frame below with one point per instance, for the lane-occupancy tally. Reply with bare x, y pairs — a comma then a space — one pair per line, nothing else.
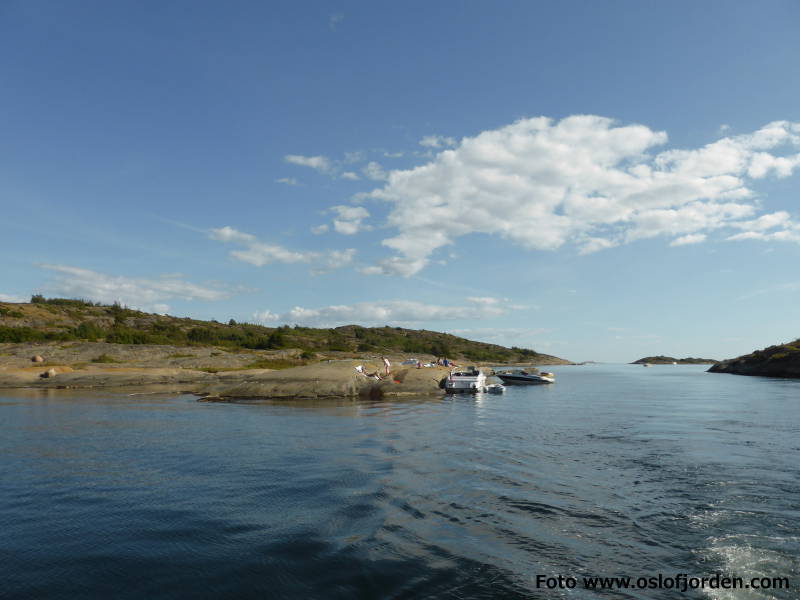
782, 360
211, 373
670, 360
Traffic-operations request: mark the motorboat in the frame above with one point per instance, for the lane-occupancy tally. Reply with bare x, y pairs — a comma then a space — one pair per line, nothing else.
523, 377
468, 379
496, 388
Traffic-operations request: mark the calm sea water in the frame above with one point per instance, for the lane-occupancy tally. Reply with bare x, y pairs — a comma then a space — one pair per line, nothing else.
612, 471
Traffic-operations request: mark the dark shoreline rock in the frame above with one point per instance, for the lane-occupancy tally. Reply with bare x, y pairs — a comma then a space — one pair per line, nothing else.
775, 361
668, 360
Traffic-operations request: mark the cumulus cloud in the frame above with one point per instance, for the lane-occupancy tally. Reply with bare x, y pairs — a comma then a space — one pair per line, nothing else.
337, 168
389, 312
784, 229
332, 260
318, 229
258, 253
318, 163
686, 240
437, 141
508, 336
584, 180
142, 293
349, 219
11, 298
374, 171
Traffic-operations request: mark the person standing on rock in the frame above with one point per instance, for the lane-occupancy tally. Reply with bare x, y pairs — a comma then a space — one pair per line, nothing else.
386, 365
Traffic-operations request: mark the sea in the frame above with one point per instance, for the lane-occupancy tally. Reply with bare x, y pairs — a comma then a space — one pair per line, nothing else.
617, 481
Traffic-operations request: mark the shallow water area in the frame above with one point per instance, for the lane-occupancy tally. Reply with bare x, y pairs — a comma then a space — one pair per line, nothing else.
614, 470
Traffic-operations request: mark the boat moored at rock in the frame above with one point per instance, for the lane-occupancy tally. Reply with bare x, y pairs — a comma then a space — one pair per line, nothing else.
523, 377
468, 379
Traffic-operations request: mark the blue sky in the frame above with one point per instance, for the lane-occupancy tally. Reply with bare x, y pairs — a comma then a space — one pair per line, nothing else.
595, 180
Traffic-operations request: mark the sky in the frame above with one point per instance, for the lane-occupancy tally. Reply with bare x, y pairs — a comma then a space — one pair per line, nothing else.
595, 180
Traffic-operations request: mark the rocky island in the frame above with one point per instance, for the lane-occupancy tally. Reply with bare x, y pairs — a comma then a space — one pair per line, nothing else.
62, 343
669, 360
782, 360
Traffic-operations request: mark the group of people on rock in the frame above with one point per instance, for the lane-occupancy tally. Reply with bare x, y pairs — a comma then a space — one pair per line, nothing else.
387, 368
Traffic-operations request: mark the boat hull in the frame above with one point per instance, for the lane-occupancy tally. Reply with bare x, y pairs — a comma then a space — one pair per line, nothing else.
525, 379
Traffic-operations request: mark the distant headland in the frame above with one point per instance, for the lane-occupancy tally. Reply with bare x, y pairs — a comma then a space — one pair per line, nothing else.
782, 360
669, 360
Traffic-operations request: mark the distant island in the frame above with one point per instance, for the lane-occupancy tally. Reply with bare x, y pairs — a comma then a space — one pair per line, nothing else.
669, 360
782, 360
69, 343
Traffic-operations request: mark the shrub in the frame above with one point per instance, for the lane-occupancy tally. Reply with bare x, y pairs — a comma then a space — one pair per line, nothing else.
105, 358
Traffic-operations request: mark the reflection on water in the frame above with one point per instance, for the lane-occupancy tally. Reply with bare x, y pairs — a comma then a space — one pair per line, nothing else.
613, 470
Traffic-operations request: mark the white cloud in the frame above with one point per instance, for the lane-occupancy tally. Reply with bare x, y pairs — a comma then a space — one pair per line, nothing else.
350, 175
389, 312
318, 163
507, 336
354, 157
758, 229
10, 298
768, 221
146, 294
258, 253
374, 171
334, 259
785, 235
287, 181
437, 141
589, 245
319, 229
334, 20
685, 240
395, 265
393, 154
583, 180
349, 219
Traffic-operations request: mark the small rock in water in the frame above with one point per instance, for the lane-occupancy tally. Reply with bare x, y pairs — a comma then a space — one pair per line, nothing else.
37, 359
49, 373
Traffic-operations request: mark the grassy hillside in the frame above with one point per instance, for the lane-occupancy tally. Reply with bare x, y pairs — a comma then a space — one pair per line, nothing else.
59, 319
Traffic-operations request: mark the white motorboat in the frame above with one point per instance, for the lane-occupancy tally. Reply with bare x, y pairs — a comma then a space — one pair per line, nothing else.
525, 378
496, 388
469, 379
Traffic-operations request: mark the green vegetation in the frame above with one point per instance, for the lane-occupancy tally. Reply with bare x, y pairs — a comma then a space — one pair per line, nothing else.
8, 312
105, 358
82, 320
668, 360
73, 302
782, 360
783, 353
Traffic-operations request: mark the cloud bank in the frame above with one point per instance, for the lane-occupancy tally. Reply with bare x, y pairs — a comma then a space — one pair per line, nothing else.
10, 298
584, 180
255, 252
389, 312
145, 294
